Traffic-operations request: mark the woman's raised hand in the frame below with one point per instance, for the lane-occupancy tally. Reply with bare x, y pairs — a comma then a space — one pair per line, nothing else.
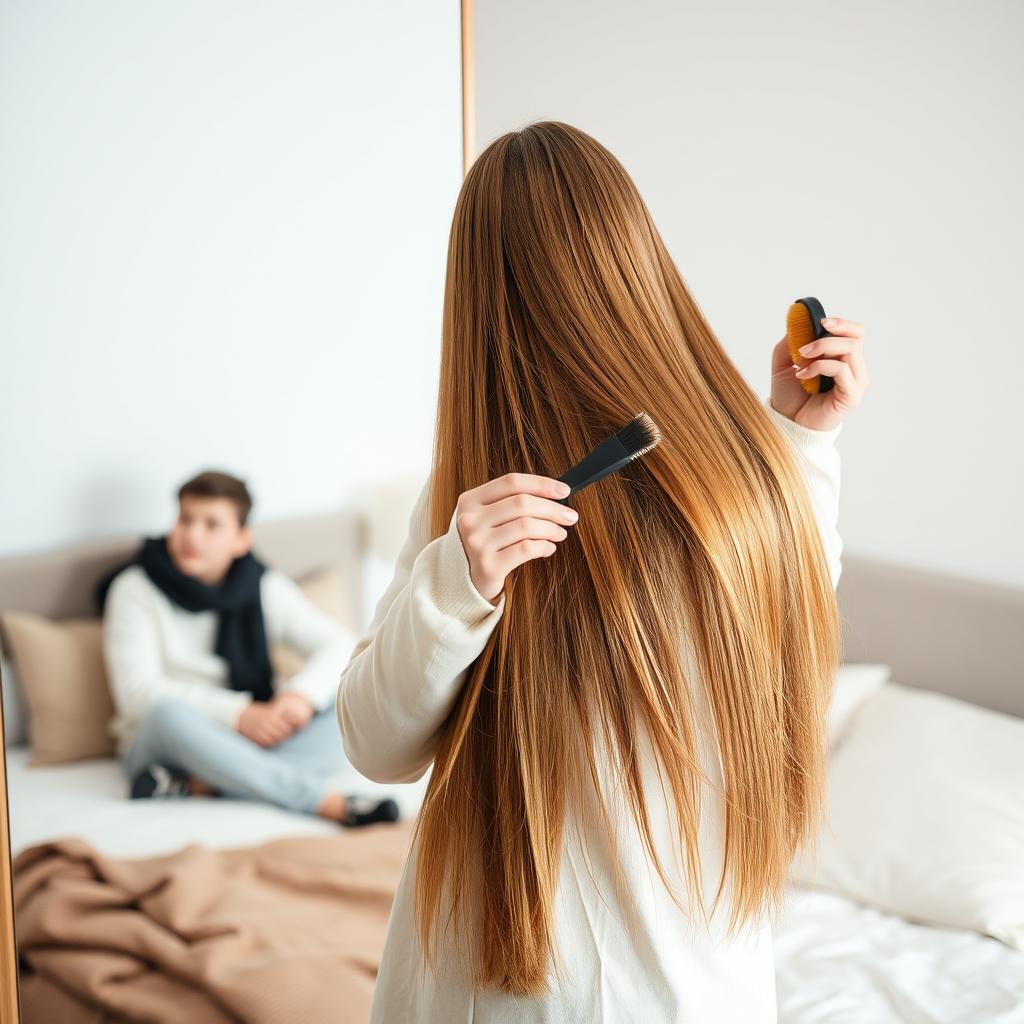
510, 520
840, 354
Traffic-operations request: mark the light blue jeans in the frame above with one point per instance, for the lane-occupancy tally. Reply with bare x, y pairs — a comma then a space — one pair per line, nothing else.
292, 774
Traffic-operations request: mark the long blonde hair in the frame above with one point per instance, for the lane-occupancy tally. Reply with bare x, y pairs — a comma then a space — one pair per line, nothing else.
563, 316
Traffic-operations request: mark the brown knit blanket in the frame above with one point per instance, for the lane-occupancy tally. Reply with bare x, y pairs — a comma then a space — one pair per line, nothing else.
288, 930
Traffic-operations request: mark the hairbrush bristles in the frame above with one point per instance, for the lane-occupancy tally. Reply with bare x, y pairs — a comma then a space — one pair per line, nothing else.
803, 324
636, 438
639, 435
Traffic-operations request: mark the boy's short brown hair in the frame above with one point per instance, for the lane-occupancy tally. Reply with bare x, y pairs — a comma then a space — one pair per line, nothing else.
213, 484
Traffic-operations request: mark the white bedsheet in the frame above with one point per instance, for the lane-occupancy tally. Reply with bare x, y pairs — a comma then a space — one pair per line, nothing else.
841, 962
90, 799
838, 962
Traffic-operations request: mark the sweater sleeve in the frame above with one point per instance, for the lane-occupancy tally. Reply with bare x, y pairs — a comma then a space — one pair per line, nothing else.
132, 649
405, 673
296, 621
818, 457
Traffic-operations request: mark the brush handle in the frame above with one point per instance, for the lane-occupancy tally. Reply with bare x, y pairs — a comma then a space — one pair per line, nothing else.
610, 455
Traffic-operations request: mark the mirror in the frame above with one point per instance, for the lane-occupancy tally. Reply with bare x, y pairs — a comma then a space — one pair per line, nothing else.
225, 247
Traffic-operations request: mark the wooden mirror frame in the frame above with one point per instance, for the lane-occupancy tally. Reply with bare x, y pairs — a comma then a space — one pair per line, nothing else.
10, 1008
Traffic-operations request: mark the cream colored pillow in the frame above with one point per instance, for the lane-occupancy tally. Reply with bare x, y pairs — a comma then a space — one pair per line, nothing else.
64, 686
926, 814
326, 589
854, 683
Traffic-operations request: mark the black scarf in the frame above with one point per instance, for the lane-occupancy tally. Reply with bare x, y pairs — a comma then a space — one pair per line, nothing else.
241, 637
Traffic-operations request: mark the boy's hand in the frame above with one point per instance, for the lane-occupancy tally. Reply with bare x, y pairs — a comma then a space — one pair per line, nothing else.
293, 706
263, 723
841, 357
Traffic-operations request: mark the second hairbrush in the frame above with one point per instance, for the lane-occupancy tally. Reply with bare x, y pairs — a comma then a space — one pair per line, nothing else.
803, 325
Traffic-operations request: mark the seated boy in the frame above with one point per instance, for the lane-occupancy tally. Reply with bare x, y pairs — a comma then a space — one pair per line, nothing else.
188, 624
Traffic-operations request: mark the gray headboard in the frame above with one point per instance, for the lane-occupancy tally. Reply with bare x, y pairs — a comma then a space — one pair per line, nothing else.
59, 583
961, 637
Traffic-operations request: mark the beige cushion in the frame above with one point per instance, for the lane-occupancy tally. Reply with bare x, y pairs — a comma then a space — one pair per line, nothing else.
63, 676
326, 589
64, 685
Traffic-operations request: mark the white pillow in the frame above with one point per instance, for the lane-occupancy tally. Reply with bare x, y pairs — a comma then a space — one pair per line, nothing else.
854, 684
926, 814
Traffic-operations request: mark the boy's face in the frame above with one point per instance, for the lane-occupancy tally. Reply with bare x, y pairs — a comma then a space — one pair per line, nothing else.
206, 538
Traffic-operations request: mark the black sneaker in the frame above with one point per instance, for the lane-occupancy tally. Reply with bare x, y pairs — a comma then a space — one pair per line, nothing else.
157, 780
367, 810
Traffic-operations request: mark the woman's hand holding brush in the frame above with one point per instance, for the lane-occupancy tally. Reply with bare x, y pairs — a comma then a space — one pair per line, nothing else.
840, 355
508, 521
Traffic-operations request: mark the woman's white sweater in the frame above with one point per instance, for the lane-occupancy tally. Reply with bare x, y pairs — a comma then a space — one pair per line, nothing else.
396, 691
154, 648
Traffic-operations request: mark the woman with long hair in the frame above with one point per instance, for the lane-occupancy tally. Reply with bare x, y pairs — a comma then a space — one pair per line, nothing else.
625, 713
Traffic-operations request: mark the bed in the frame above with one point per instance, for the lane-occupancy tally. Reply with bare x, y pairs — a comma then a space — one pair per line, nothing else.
838, 959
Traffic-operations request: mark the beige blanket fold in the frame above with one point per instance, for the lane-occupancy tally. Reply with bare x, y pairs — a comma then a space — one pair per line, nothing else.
288, 930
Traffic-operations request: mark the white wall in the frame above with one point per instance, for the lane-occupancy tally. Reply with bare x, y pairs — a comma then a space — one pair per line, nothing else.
869, 154
223, 232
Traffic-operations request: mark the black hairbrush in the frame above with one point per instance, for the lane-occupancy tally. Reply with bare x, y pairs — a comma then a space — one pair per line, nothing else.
636, 438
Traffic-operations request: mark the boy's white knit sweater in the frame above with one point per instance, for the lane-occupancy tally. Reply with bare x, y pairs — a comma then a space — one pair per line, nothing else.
396, 691
153, 648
